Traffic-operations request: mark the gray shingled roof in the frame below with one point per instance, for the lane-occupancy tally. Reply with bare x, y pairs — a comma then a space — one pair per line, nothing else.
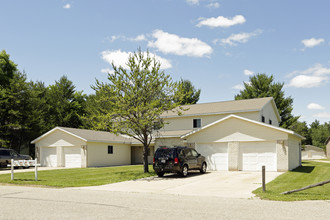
176, 133
98, 136
222, 107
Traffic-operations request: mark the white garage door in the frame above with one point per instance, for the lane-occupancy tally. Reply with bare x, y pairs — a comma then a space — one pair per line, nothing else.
216, 155
48, 157
72, 157
257, 154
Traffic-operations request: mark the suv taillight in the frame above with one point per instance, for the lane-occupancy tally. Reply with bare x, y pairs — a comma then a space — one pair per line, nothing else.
154, 161
176, 160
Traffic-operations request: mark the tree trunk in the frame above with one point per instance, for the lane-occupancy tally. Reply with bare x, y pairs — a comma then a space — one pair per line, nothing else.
307, 187
145, 158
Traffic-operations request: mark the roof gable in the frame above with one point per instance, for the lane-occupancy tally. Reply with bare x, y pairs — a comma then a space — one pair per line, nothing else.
52, 131
272, 102
88, 135
244, 119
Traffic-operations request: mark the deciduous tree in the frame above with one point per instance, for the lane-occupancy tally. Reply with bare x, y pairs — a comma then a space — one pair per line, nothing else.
319, 133
137, 97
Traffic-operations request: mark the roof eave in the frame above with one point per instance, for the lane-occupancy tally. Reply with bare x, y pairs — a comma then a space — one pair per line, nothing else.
245, 119
51, 131
213, 113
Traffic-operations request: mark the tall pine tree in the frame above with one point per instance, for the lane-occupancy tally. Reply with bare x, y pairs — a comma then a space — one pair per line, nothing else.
260, 86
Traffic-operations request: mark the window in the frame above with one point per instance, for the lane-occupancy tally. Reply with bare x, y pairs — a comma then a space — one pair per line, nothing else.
13, 153
110, 149
187, 152
270, 121
197, 123
194, 153
262, 118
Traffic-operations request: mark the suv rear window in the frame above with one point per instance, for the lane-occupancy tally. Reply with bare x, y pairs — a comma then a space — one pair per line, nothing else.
165, 153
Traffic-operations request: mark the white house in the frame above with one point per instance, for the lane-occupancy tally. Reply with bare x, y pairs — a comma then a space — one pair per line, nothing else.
232, 135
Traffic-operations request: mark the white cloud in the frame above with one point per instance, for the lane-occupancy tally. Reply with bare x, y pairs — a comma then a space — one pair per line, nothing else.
317, 70
213, 5
234, 39
140, 37
248, 72
221, 21
113, 38
120, 58
314, 106
173, 44
238, 86
304, 81
67, 6
107, 70
309, 43
322, 115
311, 77
193, 2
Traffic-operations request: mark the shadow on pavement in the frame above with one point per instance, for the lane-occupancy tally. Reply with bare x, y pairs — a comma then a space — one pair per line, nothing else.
172, 176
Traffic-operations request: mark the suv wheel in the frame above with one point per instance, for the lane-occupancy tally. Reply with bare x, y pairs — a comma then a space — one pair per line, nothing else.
160, 174
203, 168
184, 171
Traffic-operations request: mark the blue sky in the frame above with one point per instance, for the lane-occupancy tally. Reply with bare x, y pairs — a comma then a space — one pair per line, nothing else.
217, 44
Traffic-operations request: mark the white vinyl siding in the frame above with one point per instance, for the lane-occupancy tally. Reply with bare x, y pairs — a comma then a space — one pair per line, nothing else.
294, 148
185, 122
98, 155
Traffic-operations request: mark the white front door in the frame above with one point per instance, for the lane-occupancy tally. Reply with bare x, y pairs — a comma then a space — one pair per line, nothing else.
48, 157
72, 157
254, 155
216, 155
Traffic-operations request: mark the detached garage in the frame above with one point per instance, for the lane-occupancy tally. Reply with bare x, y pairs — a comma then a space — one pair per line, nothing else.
237, 143
70, 147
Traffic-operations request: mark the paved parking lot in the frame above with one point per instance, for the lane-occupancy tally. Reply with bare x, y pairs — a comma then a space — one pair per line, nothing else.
221, 184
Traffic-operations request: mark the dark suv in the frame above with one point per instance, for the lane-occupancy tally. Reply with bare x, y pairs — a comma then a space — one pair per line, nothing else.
178, 160
7, 154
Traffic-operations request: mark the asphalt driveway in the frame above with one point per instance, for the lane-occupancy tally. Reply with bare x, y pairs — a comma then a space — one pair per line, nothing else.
220, 184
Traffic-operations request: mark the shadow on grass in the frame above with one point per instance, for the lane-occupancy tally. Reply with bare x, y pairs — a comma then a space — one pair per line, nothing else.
26, 180
304, 169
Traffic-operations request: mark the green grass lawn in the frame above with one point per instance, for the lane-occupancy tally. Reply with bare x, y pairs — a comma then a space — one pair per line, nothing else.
309, 173
79, 176
325, 159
